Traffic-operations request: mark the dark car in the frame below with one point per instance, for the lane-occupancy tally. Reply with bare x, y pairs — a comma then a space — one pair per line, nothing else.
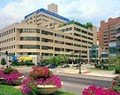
52, 66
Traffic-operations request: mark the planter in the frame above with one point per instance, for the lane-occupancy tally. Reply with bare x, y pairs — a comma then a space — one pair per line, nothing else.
16, 82
47, 89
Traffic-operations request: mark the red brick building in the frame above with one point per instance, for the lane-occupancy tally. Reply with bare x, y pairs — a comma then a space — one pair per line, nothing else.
107, 32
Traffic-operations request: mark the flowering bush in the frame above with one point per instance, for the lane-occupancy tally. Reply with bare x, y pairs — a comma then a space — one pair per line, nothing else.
116, 83
40, 72
93, 90
39, 76
10, 76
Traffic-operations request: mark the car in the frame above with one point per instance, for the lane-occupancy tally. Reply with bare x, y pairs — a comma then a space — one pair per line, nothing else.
76, 65
52, 66
65, 66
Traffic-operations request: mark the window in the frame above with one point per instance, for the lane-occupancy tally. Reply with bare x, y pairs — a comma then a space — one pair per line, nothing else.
77, 40
70, 44
77, 34
29, 46
84, 41
91, 34
46, 40
29, 31
85, 32
46, 32
67, 37
59, 42
30, 38
59, 35
84, 36
47, 48
77, 29
77, 45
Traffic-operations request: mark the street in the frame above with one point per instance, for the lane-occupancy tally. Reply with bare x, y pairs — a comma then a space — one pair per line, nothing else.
76, 85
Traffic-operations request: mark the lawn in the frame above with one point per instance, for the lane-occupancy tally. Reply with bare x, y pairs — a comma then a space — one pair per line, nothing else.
9, 90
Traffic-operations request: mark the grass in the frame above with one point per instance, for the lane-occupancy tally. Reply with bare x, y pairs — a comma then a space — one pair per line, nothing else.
60, 92
9, 90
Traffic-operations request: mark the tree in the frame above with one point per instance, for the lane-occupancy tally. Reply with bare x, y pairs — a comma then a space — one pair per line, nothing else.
3, 62
117, 66
111, 60
89, 25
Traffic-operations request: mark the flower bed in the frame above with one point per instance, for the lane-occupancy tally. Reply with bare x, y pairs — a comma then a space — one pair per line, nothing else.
93, 90
10, 76
40, 78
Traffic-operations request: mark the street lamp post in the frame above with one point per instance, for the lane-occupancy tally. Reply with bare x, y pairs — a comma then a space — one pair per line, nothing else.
79, 63
72, 57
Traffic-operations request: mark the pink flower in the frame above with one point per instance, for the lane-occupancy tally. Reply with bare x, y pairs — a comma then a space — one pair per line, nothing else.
93, 90
10, 77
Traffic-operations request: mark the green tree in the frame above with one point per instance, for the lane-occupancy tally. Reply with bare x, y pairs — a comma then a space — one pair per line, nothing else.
117, 66
57, 59
111, 60
3, 62
89, 25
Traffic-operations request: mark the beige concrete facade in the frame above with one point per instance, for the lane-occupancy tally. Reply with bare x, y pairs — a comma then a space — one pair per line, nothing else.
39, 37
53, 8
24, 39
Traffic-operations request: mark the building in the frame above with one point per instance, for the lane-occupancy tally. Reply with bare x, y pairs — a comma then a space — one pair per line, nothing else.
41, 33
107, 32
98, 37
46, 18
118, 39
112, 49
95, 53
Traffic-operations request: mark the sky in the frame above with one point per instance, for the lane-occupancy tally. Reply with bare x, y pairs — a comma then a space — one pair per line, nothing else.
83, 11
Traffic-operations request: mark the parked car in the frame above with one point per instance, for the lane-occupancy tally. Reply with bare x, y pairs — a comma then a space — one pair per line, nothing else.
65, 66
52, 65
76, 65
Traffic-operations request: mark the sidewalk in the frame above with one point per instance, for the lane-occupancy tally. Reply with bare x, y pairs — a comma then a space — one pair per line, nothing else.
72, 71
86, 71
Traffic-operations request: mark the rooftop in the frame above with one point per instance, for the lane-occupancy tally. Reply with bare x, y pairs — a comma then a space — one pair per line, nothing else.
48, 12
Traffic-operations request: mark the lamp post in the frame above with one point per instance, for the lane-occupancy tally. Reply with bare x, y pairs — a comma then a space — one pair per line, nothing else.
72, 57
6, 52
79, 63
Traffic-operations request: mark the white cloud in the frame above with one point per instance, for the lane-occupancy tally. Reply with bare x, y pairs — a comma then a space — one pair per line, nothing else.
80, 10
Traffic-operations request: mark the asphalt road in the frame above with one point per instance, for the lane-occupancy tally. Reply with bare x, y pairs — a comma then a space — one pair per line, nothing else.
76, 85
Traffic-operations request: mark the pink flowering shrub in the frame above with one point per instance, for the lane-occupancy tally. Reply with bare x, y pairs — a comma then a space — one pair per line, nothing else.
39, 76
10, 78
116, 83
93, 90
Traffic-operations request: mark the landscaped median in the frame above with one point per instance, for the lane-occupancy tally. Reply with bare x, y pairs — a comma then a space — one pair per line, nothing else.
10, 90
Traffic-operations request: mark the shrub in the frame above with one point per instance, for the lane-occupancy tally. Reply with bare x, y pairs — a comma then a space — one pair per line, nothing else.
15, 62
40, 72
93, 90
3, 62
117, 68
10, 76
116, 83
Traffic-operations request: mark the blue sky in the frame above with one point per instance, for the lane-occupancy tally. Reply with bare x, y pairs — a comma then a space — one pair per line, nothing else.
80, 10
